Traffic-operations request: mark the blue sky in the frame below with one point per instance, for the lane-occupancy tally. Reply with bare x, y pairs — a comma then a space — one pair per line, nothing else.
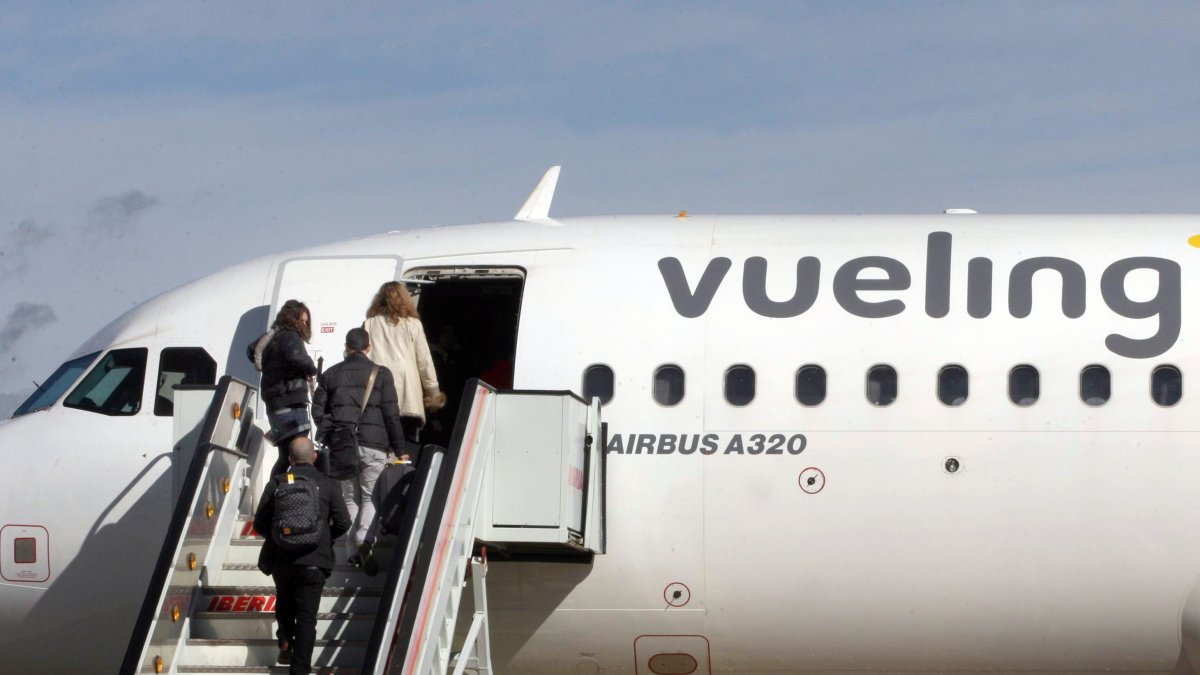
144, 144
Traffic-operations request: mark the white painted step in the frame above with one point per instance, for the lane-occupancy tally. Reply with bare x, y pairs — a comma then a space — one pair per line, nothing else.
262, 652
261, 625
283, 669
245, 551
343, 574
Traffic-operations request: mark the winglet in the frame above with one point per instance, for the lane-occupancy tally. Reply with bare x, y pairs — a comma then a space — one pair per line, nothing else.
537, 207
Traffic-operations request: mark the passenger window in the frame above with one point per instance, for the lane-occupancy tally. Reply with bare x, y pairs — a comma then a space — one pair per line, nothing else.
1095, 385
598, 383
881, 385
739, 385
181, 366
114, 386
1166, 385
952, 385
810, 385
668, 385
1024, 387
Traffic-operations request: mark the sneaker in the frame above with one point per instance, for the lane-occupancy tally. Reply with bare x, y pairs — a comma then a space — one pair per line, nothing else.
355, 561
285, 654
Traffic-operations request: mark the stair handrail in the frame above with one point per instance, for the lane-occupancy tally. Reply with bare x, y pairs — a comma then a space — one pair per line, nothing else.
197, 512
451, 540
394, 645
400, 571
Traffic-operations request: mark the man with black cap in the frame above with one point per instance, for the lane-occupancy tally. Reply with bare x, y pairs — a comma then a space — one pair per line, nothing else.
358, 419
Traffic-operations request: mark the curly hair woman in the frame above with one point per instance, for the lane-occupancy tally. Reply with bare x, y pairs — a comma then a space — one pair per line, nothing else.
398, 342
287, 370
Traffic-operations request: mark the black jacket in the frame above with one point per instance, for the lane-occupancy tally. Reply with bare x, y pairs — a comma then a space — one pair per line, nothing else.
333, 511
339, 397
285, 367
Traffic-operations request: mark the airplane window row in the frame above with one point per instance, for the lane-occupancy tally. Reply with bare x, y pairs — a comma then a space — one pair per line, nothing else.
882, 385
114, 385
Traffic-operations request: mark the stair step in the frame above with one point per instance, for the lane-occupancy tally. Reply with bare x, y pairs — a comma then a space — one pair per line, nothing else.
239, 599
244, 530
344, 574
339, 591
262, 652
261, 625
245, 551
220, 669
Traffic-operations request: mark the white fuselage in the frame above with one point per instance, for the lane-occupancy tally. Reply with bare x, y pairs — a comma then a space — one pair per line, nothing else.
1068, 538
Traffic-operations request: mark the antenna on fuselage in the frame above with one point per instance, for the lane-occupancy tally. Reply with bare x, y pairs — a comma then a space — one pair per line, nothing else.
537, 207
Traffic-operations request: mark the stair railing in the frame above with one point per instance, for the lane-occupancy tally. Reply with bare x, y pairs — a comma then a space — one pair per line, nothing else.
404, 560
207, 509
424, 583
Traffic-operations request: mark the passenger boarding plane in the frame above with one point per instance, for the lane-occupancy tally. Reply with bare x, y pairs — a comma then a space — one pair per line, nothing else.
943, 443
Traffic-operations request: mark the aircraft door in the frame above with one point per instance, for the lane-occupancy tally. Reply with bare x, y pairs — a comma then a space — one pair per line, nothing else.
337, 292
471, 315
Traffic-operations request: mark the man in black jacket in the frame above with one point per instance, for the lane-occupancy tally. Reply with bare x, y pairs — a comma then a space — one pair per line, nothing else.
300, 574
338, 404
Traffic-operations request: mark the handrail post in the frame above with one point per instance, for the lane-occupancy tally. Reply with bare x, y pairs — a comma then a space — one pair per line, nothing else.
483, 649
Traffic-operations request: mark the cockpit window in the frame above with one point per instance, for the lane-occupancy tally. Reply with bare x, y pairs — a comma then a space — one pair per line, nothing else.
114, 387
181, 366
53, 388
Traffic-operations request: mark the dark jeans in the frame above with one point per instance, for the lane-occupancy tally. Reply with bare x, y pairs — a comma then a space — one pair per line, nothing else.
297, 597
286, 424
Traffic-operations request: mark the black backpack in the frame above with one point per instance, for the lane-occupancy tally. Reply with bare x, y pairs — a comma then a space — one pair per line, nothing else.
296, 525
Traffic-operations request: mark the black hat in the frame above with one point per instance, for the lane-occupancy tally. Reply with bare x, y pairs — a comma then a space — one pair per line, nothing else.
357, 340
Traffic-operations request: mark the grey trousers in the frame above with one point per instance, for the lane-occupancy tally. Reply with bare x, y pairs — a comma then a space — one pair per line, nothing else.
357, 491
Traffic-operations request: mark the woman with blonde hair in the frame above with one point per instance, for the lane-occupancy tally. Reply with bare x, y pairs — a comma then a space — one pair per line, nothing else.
398, 342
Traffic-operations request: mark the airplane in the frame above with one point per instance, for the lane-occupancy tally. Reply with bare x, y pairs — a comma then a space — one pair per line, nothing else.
954, 442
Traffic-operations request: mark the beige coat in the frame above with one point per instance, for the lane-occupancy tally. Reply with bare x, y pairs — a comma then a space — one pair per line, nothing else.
403, 349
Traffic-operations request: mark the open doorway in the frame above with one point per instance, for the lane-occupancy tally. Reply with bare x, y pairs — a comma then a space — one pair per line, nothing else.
471, 316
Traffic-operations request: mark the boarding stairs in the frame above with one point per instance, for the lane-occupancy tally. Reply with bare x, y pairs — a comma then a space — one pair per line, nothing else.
524, 476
